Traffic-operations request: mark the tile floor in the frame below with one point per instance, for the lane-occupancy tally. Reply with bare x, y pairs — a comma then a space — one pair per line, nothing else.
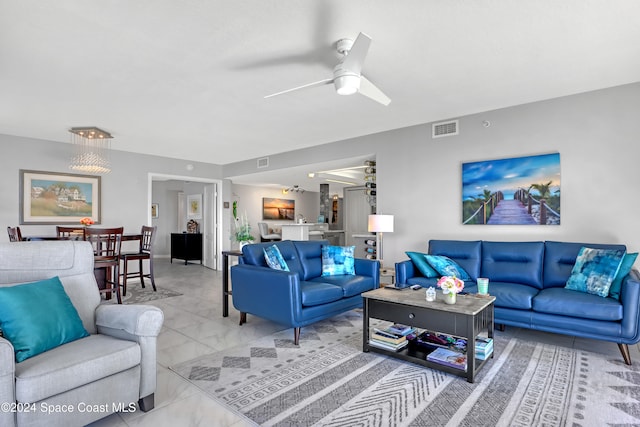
194, 326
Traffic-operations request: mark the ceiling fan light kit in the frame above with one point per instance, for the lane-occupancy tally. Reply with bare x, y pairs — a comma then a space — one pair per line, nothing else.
347, 77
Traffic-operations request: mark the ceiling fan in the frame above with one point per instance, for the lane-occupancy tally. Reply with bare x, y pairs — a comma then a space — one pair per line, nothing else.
347, 77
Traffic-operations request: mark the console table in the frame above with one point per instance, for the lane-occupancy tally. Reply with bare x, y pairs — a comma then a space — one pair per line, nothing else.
225, 280
186, 246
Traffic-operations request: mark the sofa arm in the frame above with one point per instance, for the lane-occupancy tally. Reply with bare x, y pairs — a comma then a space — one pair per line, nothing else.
139, 323
7, 380
405, 270
271, 294
630, 299
136, 320
368, 267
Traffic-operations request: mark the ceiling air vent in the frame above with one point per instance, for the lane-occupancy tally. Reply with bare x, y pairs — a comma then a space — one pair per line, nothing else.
263, 162
438, 130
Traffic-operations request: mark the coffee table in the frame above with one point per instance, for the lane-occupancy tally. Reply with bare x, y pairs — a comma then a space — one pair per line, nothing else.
467, 318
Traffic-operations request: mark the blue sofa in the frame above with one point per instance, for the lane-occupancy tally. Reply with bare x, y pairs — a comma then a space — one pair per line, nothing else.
528, 279
301, 296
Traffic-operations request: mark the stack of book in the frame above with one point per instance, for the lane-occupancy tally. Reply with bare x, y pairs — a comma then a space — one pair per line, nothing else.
393, 338
484, 347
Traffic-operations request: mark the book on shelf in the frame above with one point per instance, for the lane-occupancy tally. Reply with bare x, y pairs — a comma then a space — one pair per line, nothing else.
399, 328
387, 336
387, 346
448, 357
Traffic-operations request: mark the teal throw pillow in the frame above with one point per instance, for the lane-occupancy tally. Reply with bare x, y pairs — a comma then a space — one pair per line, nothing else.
625, 268
447, 267
39, 316
338, 260
595, 270
420, 262
274, 259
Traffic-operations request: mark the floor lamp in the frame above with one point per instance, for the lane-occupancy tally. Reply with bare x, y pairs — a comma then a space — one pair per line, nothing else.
380, 224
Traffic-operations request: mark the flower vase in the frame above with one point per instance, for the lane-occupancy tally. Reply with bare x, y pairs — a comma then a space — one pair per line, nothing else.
243, 244
450, 298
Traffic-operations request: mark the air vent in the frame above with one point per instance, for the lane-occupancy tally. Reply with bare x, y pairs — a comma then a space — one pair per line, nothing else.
438, 130
263, 162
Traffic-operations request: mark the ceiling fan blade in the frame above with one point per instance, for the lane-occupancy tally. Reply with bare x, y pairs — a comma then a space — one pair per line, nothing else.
314, 84
370, 90
358, 53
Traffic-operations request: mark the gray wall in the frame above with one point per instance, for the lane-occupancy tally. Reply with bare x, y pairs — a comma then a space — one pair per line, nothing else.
419, 178
124, 190
249, 200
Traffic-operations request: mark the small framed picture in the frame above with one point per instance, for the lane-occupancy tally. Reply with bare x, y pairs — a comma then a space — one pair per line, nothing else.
194, 206
154, 210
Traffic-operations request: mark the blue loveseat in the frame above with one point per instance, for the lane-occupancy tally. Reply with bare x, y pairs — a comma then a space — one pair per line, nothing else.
528, 280
300, 296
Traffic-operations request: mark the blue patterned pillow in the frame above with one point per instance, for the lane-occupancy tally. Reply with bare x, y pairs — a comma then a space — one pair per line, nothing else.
595, 270
274, 258
625, 268
447, 267
338, 260
420, 262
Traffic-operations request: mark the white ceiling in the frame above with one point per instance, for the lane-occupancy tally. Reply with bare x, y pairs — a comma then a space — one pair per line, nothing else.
186, 79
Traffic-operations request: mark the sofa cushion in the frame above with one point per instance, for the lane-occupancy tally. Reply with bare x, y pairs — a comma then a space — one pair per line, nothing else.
513, 295
310, 254
595, 270
565, 302
36, 317
445, 266
72, 365
420, 262
338, 260
274, 259
351, 285
625, 268
253, 254
515, 262
559, 259
467, 254
317, 293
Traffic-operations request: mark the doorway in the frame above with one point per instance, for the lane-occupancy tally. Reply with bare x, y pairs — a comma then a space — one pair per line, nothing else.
210, 227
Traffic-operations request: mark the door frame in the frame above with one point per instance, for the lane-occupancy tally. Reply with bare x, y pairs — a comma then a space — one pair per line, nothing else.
217, 207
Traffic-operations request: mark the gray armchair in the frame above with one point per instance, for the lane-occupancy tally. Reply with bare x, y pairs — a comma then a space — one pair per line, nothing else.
108, 371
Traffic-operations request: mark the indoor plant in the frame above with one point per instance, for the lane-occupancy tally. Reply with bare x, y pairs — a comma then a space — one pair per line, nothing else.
242, 228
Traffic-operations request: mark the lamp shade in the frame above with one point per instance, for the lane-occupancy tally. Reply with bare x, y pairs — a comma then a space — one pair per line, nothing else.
380, 223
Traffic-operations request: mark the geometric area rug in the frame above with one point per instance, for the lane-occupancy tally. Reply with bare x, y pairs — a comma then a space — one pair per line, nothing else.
328, 381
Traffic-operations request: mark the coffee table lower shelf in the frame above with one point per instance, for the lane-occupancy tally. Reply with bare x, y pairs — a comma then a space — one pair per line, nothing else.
420, 358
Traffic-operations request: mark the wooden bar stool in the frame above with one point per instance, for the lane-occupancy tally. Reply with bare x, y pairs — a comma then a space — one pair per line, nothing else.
145, 251
106, 244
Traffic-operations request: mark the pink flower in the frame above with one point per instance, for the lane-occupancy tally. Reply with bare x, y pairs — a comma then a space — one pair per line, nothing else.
450, 284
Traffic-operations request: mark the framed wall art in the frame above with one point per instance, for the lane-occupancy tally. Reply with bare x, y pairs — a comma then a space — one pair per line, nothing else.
194, 206
278, 208
514, 191
58, 198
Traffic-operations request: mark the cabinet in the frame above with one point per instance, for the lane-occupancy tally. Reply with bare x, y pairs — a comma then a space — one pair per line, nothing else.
186, 246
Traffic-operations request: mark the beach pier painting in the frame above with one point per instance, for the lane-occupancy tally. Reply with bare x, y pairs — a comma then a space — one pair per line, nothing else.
514, 191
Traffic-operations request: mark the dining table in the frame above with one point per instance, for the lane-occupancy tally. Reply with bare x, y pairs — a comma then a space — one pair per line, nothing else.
100, 273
